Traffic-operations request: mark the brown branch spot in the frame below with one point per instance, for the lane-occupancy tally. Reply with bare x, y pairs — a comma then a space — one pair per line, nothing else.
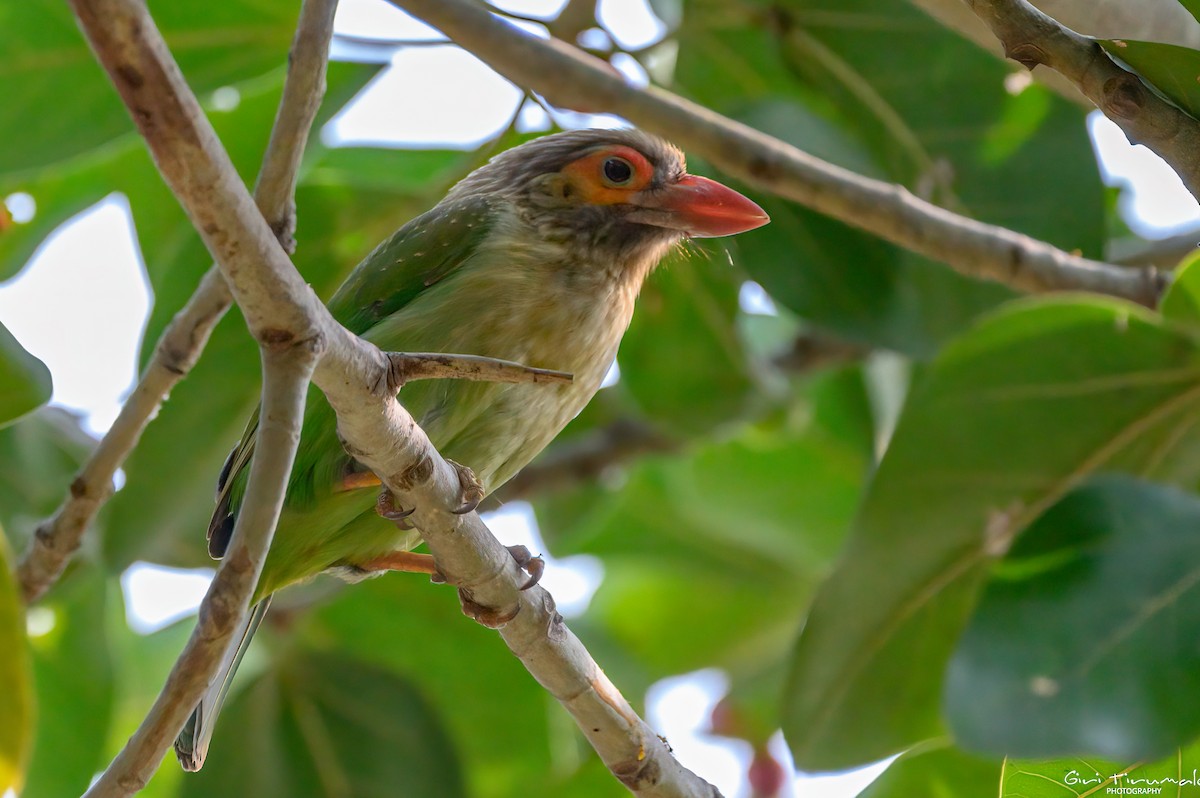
78, 488
275, 339
639, 774
416, 474
1124, 96
1027, 54
130, 76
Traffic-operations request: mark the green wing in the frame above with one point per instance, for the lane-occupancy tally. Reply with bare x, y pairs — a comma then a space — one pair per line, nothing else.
418, 255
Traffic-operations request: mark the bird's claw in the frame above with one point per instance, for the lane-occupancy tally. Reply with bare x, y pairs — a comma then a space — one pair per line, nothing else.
534, 566
385, 507
472, 491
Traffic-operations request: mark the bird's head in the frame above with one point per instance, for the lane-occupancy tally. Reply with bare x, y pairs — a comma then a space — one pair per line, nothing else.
615, 194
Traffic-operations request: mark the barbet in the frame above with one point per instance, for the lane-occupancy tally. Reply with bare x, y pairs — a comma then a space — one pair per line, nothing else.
536, 257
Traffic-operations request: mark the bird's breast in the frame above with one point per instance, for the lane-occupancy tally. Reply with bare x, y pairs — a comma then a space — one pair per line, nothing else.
515, 307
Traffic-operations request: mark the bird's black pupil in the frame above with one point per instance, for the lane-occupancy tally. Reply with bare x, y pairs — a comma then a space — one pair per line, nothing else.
617, 170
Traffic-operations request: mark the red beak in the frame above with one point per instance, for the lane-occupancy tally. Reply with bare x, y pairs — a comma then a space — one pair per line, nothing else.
702, 208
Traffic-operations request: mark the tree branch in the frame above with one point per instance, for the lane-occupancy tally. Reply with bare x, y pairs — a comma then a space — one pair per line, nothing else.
284, 316
286, 372
570, 78
179, 347
585, 459
1032, 38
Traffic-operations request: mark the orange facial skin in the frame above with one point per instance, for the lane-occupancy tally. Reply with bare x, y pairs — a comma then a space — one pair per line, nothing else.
586, 176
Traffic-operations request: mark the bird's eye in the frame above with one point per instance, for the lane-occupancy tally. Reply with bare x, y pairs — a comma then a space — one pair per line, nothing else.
618, 171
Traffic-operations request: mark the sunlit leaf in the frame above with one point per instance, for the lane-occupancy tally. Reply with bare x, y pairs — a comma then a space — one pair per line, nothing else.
16, 690
75, 678
936, 770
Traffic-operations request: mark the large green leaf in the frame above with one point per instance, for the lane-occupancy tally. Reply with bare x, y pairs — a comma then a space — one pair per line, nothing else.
1007, 419
75, 685
1084, 639
58, 101
503, 725
1170, 68
1193, 7
16, 691
683, 362
26, 379
322, 724
851, 82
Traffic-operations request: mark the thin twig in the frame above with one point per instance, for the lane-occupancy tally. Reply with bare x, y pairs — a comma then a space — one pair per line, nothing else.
410, 366
58, 537
303, 91
570, 78
281, 311
1165, 253
181, 343
286, 372
1032, 38
586, 459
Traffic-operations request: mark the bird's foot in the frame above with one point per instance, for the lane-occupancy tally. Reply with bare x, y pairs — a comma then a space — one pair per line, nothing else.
385, 507
534, 566
494, 618
471, 489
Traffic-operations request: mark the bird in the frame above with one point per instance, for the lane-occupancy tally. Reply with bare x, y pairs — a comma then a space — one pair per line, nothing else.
535, 257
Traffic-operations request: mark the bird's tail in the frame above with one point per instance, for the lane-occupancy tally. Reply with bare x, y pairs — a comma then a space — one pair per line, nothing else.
191, 746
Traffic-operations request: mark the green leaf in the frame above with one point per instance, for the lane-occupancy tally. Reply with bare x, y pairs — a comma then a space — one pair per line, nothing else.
39, 456
1170, 68
26, 380
321, 724
16, 690
1084, 639
1193, 7
682, 360
1175, 775
1181, 303
936, 770
502, 723
1007, 419
75, 713
58, 101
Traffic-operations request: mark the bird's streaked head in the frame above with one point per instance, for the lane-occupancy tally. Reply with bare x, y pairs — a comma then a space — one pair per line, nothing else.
614, 193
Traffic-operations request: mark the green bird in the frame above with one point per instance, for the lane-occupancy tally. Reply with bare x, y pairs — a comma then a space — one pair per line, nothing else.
536, 257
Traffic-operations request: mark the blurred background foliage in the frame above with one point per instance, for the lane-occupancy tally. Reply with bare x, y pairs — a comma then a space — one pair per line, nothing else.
763, 490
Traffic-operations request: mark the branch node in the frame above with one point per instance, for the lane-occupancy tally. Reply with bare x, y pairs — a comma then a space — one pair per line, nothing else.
492, 618
416, 474
1124, 96
78, 488
1026, 54
640, 774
